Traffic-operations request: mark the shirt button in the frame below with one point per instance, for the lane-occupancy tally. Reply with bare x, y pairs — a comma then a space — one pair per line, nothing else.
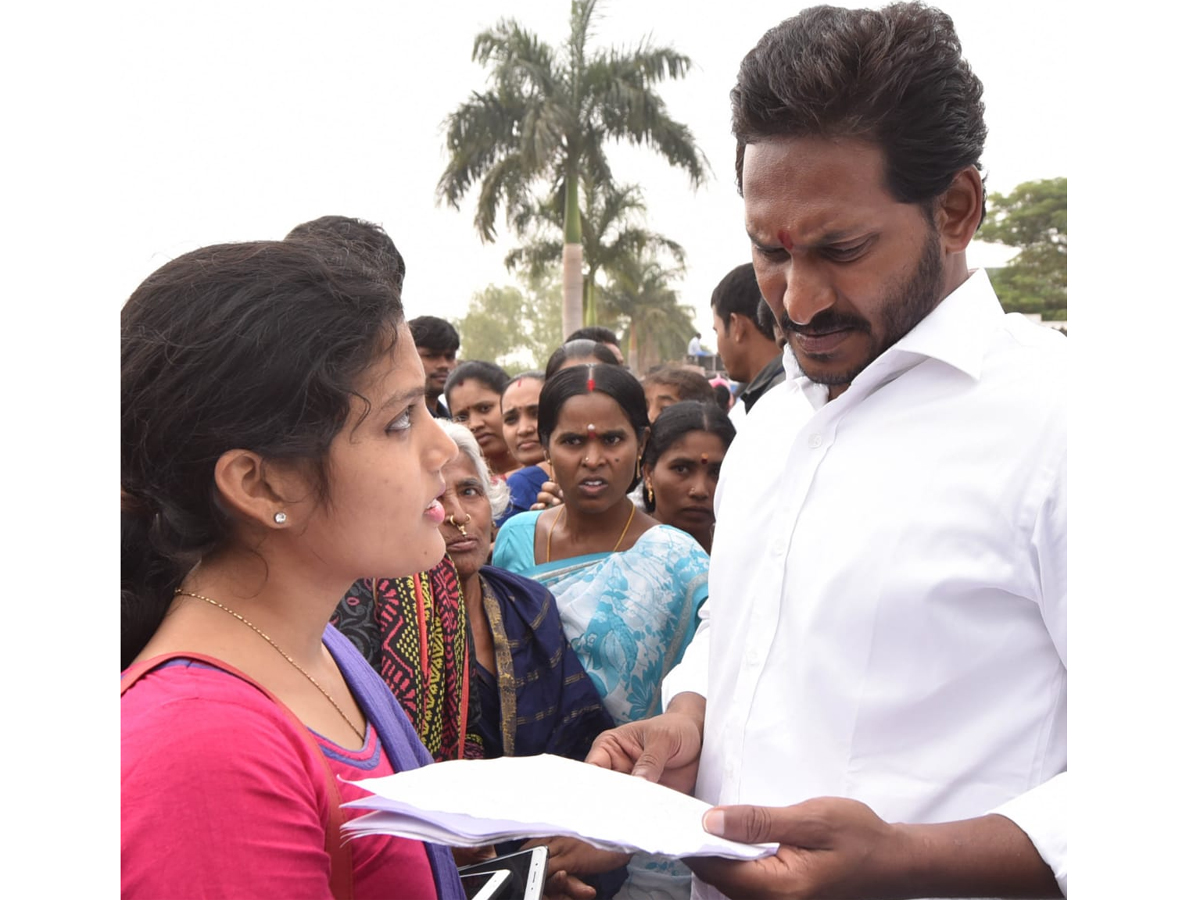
814, 440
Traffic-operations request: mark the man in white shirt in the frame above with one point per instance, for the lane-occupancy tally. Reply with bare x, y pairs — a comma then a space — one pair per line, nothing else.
879, 682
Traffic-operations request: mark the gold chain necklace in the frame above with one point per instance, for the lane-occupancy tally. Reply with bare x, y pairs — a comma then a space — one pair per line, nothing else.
558, 515
295, 665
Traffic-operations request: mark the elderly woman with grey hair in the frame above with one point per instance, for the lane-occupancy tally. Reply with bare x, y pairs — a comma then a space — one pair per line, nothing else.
533, 694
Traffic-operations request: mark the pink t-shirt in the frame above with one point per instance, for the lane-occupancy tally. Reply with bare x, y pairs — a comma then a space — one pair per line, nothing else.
222, 798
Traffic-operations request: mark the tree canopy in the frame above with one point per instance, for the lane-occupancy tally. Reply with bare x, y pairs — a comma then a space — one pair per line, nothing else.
612, 237
640, 296
545, 120
1033, 217
517, 329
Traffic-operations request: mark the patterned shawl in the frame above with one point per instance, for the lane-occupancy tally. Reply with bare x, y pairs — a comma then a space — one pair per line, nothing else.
414, 632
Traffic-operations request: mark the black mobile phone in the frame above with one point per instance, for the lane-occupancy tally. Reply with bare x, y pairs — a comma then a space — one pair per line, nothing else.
485, 885
526, 870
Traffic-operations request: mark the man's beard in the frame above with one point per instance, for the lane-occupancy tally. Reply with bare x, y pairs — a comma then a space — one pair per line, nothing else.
907, 304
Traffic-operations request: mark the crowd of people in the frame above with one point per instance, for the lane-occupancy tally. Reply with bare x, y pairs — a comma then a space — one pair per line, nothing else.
347, 553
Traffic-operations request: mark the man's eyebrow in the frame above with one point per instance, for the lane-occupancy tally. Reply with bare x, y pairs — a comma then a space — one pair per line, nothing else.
829, 237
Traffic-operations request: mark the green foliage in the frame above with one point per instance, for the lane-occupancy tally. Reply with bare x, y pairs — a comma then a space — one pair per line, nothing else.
1034, 218
517, 329
612, 237
547, 117
640, 297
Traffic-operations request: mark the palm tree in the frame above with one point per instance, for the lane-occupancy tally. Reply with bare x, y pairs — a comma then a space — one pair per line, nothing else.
640, 293
546, 119
608, 236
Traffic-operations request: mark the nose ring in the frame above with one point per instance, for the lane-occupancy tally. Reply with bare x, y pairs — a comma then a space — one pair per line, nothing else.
461, 526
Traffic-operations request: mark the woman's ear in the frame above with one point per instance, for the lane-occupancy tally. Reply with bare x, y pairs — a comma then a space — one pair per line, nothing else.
262, 494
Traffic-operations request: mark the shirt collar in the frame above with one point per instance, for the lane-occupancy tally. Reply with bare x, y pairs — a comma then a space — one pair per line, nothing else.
955, 332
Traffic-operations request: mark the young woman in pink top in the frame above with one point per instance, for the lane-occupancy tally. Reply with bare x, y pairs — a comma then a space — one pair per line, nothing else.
276, 447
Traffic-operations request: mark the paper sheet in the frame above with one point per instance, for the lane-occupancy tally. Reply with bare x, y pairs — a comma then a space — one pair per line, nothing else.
477, 802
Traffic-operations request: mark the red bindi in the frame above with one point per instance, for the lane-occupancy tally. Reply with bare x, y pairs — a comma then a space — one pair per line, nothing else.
785, 240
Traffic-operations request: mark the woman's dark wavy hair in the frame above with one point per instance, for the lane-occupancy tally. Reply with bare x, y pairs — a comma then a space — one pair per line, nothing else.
487, 373
894, 76
676, 422
257, 346
607, 378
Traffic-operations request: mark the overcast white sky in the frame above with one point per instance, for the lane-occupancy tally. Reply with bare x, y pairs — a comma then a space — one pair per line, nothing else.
236, 120
135, 131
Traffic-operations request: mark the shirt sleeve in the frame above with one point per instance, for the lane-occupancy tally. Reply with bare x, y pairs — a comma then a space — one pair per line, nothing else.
219, 800
1042, 814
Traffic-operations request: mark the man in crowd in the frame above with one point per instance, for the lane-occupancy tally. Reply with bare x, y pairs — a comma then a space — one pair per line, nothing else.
437, 343
880, 680
746, 346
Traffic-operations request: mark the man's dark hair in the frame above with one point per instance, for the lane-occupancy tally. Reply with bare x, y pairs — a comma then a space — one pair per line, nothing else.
690, 384
894, 77
597, 333
364, 240
433, 333
738, 293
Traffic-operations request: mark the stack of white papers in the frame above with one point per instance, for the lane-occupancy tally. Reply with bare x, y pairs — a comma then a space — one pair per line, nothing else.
471, 803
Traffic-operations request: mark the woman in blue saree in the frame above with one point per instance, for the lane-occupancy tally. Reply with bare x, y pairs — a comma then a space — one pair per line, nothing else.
628, 588
532, 694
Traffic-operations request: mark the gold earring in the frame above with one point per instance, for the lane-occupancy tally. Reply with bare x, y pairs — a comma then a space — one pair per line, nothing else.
650, 493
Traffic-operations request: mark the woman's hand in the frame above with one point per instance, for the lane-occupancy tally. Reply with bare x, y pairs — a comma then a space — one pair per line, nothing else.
468, 856
577, 857
561, 886
550, 495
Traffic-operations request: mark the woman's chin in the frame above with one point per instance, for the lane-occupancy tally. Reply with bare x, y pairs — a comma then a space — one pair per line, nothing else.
426, 554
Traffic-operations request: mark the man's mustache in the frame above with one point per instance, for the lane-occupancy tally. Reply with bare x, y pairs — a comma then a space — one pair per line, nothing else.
825, 322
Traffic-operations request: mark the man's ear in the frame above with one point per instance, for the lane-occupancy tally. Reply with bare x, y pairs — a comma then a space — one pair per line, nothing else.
737, 327
256, 491
959, 210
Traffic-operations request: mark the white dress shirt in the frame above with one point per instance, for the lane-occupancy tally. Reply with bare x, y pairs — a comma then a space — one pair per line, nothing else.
888, 589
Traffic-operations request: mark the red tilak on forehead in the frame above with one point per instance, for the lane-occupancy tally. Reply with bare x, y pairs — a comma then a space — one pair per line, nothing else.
785, 240
704, 459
